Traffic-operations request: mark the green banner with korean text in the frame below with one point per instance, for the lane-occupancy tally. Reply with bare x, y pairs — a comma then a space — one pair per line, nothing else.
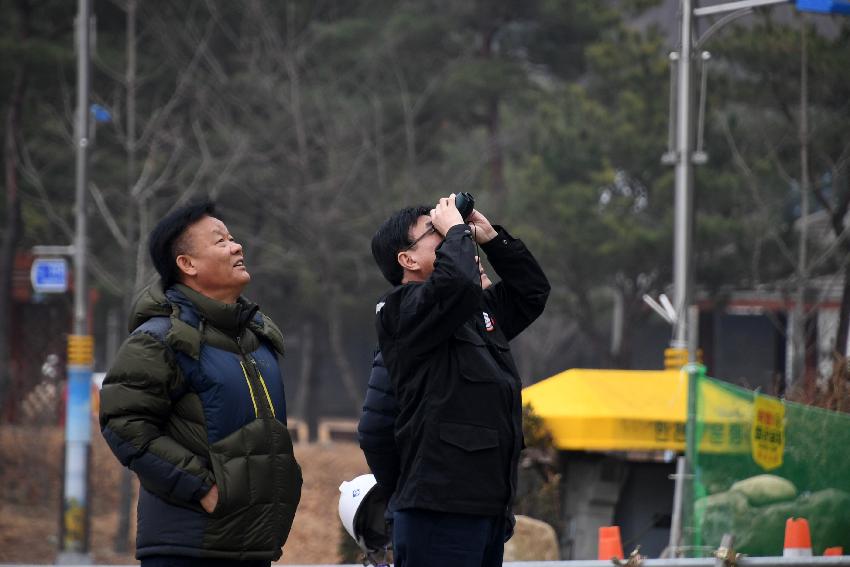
760, 460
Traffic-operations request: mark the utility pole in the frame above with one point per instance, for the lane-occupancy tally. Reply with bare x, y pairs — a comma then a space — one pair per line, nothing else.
683, 266
74, 527
684, 343
795, 370
681, 154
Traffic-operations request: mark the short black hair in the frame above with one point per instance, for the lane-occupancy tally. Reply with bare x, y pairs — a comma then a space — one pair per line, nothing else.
392, 237
165, 238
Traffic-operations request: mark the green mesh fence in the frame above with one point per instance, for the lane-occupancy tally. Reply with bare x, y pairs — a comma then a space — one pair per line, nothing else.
759, 461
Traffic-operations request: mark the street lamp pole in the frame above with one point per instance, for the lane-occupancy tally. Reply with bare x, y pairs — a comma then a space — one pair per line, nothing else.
81, 248
74, 528
684, 188
685, 323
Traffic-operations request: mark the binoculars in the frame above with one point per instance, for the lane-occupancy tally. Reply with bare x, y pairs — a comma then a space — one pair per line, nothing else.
464, 203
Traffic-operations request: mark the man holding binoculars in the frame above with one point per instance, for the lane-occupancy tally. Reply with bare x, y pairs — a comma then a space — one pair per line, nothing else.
445, 343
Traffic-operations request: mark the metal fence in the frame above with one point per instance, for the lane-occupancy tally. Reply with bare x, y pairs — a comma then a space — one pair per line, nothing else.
832, 561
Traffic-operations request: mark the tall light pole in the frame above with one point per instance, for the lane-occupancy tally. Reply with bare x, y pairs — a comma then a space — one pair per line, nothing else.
683, 157
684, 343
683, 266
74, 528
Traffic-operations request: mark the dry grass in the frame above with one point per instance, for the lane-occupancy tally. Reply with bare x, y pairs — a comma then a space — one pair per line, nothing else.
31, 473
316, 531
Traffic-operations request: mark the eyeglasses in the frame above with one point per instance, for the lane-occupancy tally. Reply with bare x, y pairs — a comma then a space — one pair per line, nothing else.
429, 230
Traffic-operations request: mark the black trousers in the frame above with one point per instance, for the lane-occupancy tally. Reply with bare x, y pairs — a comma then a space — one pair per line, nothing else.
424, 538
182, 561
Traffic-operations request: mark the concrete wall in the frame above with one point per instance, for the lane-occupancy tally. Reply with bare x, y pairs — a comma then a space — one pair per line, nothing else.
591, 485
644, 510
603, 490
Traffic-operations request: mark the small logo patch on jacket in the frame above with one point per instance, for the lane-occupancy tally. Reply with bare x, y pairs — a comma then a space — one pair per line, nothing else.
489, 321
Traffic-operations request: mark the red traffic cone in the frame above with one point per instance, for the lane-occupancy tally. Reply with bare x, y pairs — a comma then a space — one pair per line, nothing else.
609, 543
838, 550
798, 541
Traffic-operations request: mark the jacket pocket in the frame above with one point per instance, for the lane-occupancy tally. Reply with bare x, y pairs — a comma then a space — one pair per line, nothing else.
468, 466
498, 340
469, 437
229, 460
227, 481
474, 361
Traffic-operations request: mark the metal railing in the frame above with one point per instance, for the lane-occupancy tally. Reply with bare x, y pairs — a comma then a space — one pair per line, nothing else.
831, 561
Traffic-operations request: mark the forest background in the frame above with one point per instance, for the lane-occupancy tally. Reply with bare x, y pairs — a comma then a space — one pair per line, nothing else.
310, 121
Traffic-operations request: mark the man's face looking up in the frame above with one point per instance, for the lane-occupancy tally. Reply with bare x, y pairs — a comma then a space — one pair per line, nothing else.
211, 261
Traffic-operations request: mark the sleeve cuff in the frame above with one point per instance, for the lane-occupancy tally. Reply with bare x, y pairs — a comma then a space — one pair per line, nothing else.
201, 492
501, 241
459, 230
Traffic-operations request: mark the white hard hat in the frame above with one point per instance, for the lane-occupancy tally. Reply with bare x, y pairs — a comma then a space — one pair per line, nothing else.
361, 510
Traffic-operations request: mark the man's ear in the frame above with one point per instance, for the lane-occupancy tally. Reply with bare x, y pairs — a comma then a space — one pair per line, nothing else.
185, 264
406, 261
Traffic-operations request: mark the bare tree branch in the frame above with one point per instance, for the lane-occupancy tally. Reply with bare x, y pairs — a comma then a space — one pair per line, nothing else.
232, 163
107, 215
145, 192
187, 76
31, 174
752, 184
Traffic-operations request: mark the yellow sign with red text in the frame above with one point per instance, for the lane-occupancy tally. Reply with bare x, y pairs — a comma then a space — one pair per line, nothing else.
768, 433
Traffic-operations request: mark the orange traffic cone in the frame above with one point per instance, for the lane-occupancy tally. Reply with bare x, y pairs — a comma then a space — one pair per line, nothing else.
838, 550
798, 541
609, 543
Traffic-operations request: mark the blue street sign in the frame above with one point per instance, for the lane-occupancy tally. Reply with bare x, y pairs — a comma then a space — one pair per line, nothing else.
100, 114
824, 6
49, 275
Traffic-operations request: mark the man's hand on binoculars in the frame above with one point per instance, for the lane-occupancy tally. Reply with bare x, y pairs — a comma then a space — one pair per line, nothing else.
482, 230
445, 215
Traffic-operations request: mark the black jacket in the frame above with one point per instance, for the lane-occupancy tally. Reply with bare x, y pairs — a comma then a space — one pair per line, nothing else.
445, 343
376, 429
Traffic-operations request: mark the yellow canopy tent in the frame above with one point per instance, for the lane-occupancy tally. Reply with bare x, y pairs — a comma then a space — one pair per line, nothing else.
636, 410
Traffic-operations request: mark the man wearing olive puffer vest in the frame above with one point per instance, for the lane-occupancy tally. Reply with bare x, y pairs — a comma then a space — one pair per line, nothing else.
194, 404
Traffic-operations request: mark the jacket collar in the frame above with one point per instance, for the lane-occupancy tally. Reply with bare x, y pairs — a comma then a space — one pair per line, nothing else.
190, 310
231, 318
193, 310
